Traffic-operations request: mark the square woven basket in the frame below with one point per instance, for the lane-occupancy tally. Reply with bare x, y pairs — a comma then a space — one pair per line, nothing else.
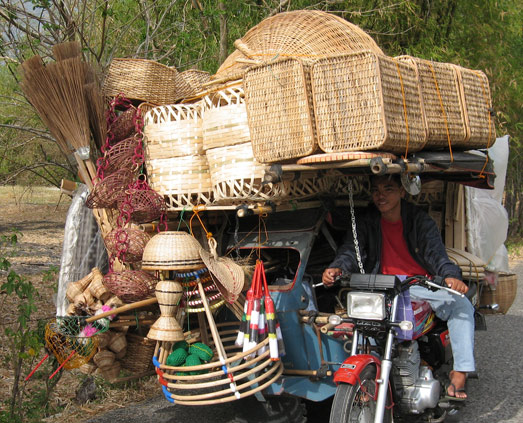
279, 110
365, 101
477, 106
440, 98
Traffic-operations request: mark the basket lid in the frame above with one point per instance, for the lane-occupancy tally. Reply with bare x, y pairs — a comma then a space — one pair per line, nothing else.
172, 250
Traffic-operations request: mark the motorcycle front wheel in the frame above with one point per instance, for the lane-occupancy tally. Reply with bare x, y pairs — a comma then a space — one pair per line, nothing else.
357, 403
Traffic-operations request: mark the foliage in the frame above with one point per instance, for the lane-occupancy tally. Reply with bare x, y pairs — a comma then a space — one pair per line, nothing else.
25, 343
484, 35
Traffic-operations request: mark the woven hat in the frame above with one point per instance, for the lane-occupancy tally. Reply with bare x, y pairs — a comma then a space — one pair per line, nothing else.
172, 250
229, 275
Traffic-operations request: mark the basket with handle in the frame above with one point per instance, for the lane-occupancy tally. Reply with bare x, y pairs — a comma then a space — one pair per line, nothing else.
365, 101
279, 110
300, 33
441, 102
224, 118
173, 131
183, 181
145, 80
477, 106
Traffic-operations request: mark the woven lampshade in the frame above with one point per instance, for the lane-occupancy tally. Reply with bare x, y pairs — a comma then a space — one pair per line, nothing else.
172, 250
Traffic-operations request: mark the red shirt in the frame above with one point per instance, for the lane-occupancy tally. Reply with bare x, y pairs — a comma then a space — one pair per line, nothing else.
395, 256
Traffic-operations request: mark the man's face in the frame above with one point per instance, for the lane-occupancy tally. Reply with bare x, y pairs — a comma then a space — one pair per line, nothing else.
386, 195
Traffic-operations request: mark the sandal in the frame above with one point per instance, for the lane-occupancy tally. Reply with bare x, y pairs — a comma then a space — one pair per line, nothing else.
453, 397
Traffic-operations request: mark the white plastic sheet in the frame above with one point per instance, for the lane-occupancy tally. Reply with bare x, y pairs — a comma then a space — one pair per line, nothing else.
487, 219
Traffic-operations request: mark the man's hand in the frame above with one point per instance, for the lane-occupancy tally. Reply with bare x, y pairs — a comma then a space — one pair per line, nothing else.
456, 285
329, 275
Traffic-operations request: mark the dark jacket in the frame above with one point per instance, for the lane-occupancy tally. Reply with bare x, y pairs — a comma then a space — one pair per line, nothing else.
421, 234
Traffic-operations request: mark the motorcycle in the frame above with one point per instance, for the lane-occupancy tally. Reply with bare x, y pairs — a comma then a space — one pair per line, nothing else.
384, 377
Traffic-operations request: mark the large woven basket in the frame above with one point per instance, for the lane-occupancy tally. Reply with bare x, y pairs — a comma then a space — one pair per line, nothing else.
173, 131
145, 80
207, 384
300, 33
224, 118
477, 105
503, 295
196, 78
365, 101
441, 102
279, 110
183, 181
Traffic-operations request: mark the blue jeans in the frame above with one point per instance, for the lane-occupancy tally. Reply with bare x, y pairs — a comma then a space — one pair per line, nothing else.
459, 314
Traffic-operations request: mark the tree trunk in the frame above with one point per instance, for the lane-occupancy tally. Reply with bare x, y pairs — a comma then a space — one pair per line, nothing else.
223, 31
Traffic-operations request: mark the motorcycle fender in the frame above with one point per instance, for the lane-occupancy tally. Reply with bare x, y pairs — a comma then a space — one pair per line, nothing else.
351, 368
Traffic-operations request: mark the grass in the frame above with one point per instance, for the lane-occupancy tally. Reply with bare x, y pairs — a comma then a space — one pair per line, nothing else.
34, 195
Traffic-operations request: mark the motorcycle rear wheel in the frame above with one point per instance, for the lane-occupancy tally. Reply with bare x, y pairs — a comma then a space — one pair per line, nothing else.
357, 403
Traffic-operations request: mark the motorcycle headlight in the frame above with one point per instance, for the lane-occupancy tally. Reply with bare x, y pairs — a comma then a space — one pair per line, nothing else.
366, 305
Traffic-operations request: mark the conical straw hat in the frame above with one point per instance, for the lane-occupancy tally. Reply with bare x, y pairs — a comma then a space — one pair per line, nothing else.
172, 250
228, 274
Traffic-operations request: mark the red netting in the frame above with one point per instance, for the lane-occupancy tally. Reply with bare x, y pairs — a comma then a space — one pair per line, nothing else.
127, 244
107, 192
130, 285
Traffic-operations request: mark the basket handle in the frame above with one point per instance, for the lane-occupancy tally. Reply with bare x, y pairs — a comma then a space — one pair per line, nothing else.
244, 48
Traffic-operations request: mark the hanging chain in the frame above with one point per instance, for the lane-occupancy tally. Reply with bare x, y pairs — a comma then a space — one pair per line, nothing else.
354, 231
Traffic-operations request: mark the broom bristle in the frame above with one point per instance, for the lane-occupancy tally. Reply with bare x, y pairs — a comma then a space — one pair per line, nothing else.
96, 111
31, 64
67, 50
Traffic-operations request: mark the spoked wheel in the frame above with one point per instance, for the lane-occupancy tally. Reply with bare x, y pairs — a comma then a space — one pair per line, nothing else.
357, 403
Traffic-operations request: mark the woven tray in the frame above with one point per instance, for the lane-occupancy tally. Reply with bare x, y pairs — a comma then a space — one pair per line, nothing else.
183, 181
145, 80
224, 119
477, 106
441, 102
300, 33
251, 372
503, 295
173, 131
365, 101
279, 109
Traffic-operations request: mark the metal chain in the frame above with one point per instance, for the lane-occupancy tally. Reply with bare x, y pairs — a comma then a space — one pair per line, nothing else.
354, 232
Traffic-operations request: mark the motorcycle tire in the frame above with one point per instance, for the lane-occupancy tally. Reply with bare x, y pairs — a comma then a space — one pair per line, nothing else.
356, 403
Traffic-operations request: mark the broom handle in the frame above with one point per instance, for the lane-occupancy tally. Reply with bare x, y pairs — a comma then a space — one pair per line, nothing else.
123, 308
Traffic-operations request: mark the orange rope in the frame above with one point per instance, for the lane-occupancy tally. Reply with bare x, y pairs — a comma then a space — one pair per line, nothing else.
404, 110
442, 110
196, 211
489, 122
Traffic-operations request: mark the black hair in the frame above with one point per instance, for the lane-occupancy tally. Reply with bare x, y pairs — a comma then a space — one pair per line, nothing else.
374, 179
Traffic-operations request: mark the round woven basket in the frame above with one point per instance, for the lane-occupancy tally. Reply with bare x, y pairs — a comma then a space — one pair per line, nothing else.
172, 250
130, 285
131, 240
504, 294
145, 80
206, 384
301, 33
184, 181
224, 118
173, 131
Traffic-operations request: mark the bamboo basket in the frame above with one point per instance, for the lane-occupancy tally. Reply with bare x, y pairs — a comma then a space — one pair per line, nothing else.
173, 131
140, 351
172, 250
251, 371
364, 101
279, 110
224, 119
504, 294
477, 106
145, 80
440, 97
183, 181
300, 33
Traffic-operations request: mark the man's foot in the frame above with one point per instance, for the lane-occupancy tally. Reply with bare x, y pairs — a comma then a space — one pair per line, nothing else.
456, 388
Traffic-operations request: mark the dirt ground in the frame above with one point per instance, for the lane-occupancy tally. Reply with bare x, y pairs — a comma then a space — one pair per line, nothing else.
39, 214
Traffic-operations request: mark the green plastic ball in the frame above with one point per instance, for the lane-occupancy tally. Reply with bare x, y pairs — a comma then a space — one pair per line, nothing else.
177, 357
201, 350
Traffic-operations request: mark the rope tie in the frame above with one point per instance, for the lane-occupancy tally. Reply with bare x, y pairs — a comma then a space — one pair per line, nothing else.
404, 109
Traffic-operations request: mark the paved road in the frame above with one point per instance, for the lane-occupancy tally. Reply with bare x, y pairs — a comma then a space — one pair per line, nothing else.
495, 397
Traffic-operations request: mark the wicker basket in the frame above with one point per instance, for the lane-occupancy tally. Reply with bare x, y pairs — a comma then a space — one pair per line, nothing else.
130, 285
224, 119
173, 131
183, 181
365, 101
300, 33
503, 295
441, 102
206, 384
145, 80
140, 351
477, 106
279, 110
195, 78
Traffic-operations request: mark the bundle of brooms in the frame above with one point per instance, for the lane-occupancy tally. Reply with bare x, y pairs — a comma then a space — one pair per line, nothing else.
68, 99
